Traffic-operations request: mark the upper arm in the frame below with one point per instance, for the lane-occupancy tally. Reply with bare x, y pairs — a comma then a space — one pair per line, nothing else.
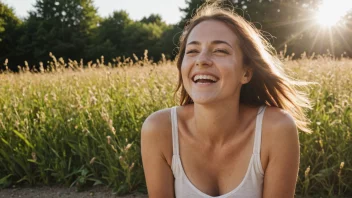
282, 169
158, 174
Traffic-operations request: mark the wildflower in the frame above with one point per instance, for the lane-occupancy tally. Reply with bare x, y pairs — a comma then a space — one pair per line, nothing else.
2, 125
342, 165
128, 147
132, 165
121, 158
93, 100
321, 143
92, 160
306, 172
104, 115
135, 57
42, 116
109, 139
113, 148
145, 55
163, 58
112, 128
17, 123
46, 98
54, 96
34, 156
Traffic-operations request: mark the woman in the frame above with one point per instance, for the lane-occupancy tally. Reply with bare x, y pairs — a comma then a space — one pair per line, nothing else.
235, 133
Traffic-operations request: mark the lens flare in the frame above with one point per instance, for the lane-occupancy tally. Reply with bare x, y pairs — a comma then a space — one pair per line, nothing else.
331, 12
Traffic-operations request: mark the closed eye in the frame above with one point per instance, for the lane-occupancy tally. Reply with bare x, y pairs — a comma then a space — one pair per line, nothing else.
191, 51
221, 51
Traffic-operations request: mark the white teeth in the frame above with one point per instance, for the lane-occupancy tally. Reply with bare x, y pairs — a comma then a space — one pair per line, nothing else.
208, 77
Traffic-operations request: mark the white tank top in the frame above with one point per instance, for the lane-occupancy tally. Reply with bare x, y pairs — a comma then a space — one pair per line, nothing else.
252, 183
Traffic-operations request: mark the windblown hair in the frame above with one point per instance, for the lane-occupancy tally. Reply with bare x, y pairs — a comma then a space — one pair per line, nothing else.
269, 84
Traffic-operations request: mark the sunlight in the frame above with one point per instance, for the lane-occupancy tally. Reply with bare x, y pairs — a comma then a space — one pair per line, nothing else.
331, 12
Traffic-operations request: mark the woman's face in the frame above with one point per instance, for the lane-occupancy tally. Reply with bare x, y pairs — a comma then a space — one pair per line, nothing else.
212, 69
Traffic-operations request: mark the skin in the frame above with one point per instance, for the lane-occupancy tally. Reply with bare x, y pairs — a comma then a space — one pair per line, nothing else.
217, 129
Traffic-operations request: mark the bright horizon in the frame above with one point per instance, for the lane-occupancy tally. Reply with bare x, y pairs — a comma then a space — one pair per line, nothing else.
137, 9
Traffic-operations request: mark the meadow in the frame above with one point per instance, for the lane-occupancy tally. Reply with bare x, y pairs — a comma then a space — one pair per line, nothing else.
78, 124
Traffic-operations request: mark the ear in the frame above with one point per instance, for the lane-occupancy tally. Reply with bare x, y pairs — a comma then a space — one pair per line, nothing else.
247, 75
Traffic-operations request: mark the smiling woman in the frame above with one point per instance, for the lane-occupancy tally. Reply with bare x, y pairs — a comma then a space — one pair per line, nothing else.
234, 133
331, 12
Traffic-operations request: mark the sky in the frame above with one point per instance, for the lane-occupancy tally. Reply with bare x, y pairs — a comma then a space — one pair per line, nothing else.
137, 9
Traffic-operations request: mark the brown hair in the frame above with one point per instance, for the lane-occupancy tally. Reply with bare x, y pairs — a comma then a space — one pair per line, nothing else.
269, 85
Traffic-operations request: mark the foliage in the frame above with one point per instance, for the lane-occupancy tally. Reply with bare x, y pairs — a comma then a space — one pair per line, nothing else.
73, 30
153, 18
170, 41
80, 125
190, 10
9, 25
61, 26
290, 23
141, 36
109, 36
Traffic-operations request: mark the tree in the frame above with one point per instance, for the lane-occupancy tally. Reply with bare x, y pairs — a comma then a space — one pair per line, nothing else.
118, 35
153, 18
192, 6
9, 33
285, 22
109, 36
170, 41
140, 36
61, 27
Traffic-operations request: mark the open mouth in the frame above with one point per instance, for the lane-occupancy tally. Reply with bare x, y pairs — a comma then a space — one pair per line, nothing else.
204, 79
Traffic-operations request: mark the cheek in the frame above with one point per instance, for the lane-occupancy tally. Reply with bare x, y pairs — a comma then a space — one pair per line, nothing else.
184, 75
185, 69
232, 73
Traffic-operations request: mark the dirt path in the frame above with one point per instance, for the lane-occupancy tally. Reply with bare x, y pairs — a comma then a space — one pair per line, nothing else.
59, 192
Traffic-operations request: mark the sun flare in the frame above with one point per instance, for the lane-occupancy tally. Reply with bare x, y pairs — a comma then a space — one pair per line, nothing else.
331, 12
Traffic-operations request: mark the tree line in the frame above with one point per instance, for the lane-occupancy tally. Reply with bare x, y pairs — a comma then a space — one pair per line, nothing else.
73, 30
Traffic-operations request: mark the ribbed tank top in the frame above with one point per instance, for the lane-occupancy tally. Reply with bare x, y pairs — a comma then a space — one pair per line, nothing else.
252, 183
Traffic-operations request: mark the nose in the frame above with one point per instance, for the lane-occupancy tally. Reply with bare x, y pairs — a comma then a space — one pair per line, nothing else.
203, 59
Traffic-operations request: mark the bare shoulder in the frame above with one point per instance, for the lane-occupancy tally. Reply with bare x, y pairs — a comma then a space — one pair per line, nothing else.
156, 134
157, 121
281, 145
279, 121
279, 133
156, 150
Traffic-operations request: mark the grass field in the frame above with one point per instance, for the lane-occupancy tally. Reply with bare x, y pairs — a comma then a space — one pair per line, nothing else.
81, 127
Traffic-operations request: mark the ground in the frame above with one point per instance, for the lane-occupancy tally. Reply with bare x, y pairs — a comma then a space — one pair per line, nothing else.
60, 192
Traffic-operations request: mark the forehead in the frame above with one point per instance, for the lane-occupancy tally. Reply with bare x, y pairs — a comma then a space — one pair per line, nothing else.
210, 30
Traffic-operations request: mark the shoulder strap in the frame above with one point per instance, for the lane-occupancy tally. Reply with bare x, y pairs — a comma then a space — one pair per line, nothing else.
258, 130
174, 131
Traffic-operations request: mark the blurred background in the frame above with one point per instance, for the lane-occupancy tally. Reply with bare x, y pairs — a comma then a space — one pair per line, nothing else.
77, 122
89, 29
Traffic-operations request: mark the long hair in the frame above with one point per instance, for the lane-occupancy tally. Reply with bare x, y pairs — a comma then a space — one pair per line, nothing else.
269, 84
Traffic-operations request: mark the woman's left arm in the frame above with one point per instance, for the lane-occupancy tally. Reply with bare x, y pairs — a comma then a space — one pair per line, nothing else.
281, 172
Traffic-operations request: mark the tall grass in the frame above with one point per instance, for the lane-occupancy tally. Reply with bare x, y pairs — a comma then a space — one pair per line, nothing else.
79, 125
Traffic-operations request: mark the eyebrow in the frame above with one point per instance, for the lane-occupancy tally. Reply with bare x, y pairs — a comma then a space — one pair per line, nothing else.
213, 42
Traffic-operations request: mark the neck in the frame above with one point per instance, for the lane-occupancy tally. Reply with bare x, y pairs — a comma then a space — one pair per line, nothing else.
215, 124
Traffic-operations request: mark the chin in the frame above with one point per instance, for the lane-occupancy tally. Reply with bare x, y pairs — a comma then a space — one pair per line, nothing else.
203, 99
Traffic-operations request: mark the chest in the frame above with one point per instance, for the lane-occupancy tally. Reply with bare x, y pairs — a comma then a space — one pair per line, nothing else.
215, 171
